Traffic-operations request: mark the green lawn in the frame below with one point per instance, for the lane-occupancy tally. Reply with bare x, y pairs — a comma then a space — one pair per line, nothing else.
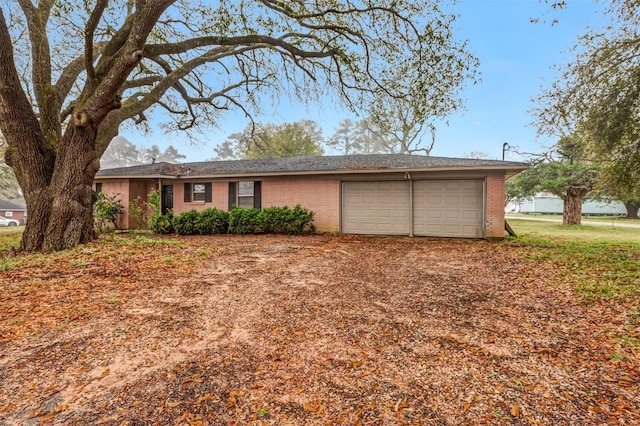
556, 231
10, 237
609, 219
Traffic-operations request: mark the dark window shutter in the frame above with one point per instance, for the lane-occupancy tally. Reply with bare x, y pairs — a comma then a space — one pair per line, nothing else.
257, 195
207, 192
187, 192
98, 187
232, 195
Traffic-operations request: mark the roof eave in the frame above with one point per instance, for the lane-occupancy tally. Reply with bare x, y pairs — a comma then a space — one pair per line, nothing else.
509, 170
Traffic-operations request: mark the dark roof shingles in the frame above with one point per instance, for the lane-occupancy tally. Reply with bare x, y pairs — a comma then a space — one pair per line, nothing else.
339, 163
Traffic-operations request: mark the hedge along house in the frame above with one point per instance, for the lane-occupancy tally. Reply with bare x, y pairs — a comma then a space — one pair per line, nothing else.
381, 194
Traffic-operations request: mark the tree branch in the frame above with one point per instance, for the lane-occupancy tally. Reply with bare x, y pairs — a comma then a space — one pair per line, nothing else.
92, 24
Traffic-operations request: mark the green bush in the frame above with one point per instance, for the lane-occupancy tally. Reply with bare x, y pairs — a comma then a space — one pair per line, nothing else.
213, 221
284, 220
186, 223
106, 209
162, 224
244, 221
271, 220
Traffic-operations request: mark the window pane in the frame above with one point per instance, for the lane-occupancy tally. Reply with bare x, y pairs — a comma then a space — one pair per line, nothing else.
245, 189
245, 202
198, 191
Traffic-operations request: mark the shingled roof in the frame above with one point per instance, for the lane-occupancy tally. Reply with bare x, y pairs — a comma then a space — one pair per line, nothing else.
12, 206
312, 165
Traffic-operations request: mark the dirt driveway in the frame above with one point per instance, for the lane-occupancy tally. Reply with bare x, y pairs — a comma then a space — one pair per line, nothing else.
309, 330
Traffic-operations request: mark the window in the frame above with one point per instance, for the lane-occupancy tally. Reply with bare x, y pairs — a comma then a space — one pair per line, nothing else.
197, 192
245, 194
8, 214
98, 187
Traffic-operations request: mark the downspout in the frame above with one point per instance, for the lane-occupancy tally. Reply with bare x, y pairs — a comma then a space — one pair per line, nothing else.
484, 208
408, 176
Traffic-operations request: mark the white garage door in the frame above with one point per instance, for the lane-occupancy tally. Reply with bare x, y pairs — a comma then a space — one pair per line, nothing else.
375, 208
448, 208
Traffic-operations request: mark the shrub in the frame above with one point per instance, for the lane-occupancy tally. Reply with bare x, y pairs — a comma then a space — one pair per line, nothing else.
284, 220
271, 220
138, 213
162, 224
213, 221
186, 223
244, 221
107, 208
300, 221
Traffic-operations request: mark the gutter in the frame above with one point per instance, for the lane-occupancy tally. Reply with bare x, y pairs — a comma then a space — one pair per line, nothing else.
515, 169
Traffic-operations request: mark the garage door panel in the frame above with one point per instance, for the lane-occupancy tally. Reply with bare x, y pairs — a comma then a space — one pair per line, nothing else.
448, 208
376, 208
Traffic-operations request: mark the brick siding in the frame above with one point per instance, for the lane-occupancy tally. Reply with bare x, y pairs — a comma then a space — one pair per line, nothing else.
321, 196
494, 216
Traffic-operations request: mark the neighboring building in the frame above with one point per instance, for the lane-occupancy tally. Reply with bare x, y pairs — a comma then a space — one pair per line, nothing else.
13, 210
384, 194
551, 204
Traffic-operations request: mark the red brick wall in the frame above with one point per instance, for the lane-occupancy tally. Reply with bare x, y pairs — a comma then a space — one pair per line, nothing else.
219, 198
322, 196
119, 187
494, 218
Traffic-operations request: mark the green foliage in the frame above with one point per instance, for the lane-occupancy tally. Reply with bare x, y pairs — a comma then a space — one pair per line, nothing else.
284, 220
598, 95
153, 202
186, 223
563, 172
162, 224
271, 141
107, 208
271, 220
244, 221
138, 212
213, 221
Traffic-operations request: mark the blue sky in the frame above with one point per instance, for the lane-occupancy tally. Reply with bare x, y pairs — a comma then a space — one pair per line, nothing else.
516, 59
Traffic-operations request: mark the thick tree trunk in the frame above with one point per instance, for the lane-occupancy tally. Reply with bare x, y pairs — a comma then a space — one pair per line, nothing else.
61, 215
632, 209
572, 211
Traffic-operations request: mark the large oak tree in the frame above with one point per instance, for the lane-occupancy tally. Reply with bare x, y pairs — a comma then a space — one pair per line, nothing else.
598, 97
71, 72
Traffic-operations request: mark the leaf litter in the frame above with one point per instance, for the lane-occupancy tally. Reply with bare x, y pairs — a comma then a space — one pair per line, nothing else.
314, 330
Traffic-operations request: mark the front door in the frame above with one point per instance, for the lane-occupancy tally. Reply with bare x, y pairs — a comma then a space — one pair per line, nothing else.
167, 198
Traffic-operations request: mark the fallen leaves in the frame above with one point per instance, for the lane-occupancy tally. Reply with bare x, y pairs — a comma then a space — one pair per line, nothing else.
311, 330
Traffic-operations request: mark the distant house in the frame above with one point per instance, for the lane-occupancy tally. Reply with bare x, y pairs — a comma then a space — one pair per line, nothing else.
383, 194
551, 204
13, 210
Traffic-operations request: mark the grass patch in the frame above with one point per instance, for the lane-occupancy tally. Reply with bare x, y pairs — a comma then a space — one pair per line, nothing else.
576, 233
10, 237
615, 219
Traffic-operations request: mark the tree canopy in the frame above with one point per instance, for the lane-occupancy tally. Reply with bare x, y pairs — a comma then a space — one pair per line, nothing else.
563, 172
598, 97
72, 73
301, 138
